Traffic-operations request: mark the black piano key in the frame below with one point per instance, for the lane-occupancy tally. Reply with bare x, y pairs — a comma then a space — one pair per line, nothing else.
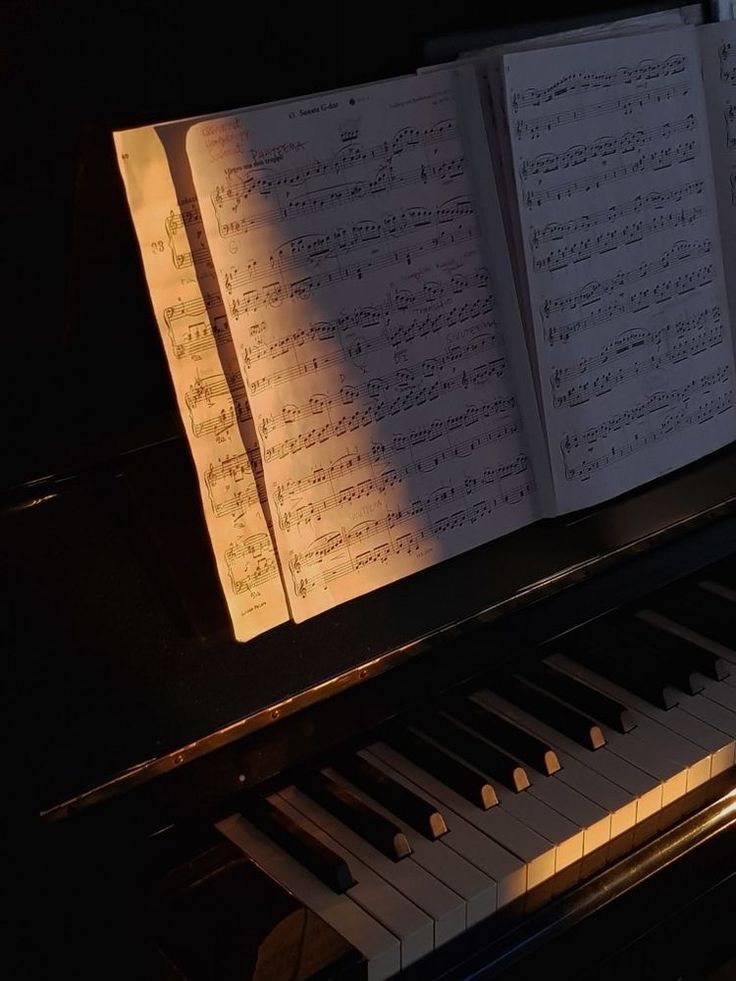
506, 734
717, 588
461, 778
410, 807
670, 670
557, 714
723, 573
590, 649
331, 868
383, 834
594, 703
671, 646
474, 750
701, 611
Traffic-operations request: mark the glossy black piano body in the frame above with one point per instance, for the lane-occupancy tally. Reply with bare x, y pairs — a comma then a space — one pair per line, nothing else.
142, 721
135, 773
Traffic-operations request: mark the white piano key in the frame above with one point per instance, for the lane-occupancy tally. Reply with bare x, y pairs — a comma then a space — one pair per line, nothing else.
530, 850
386, 904
645, 790
476, 888
657, 749
532, 811
380, 948
594, 820
697, 736
612, 798
718, 720
716, 691
445, 907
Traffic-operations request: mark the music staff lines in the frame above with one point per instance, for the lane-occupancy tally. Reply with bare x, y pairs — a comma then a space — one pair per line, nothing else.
677, 420
194, 340
376, 315
395, 337
209, 389
340, 195
233, 483
262, 180
674, 352
187, 215
729, 114
411, 541
311, 249
192, 308
352, 462
609, 241
372, 414
682, 251
302, 289
630, 340
727, 62
251, 563
646, 71
416, 386
343, 539
453, 354
657, 160
625, 103
604, 146
556, 231
635, 302
203, 395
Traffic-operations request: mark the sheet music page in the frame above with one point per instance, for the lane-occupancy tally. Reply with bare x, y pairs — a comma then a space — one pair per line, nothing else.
208, 386
621, 243
489, 65
367, 328
718, 51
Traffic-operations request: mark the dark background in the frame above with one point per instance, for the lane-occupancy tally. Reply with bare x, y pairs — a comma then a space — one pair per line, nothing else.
85, 375
112, 653
116, 643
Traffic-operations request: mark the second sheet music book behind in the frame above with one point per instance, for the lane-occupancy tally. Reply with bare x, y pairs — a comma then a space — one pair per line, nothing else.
407, 318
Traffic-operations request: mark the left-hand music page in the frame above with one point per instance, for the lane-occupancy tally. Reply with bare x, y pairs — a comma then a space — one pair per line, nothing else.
210, 394
370, 301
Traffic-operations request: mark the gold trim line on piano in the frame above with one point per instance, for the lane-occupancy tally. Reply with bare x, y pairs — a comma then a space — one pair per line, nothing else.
543, 588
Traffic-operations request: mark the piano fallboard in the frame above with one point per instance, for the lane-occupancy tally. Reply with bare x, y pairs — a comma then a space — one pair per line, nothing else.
111, 621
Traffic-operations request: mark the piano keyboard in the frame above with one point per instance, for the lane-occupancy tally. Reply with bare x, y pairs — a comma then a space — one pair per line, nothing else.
413, 838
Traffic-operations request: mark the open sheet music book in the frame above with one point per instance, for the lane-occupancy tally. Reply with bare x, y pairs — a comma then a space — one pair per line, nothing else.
407, 318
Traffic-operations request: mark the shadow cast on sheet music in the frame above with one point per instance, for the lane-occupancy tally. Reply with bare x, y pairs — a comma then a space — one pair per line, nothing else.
377, 412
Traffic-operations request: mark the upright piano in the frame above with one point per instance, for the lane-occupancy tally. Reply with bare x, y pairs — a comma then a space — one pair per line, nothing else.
516, 763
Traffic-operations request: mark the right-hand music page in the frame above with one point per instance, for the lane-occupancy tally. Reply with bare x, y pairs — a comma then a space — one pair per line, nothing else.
718, 51
621, 241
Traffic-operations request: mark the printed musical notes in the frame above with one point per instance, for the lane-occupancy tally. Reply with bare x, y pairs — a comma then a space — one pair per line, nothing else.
623, 259
660, 416
718, 54
369, 325
208, 385
577, 83
727, 61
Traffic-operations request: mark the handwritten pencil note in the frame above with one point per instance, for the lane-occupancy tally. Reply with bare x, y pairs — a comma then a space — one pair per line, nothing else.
623, 257
365, 321
207, 382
